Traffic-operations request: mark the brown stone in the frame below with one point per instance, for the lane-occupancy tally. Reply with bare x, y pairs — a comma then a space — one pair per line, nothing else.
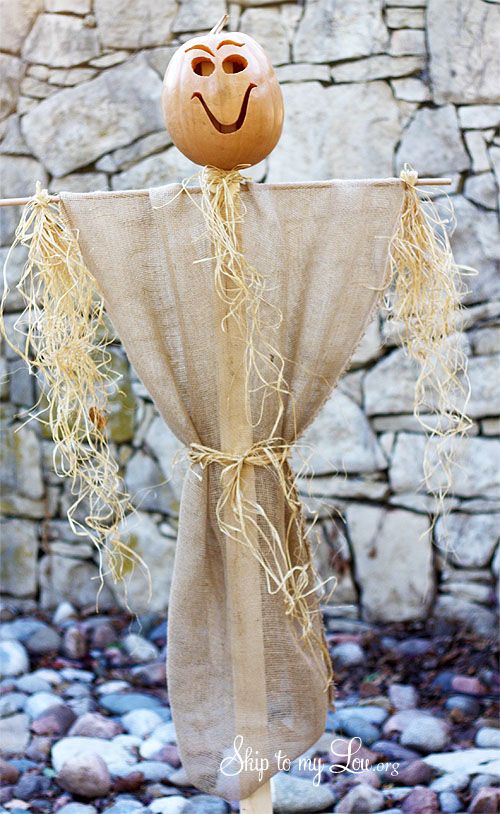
8, 772
421, 801
95, 725
86, 775
486, 801
55, 720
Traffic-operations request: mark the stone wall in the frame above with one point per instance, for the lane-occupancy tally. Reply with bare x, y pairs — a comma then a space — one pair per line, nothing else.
367, 86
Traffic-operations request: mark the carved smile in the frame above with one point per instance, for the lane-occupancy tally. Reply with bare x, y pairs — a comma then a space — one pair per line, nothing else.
227, 128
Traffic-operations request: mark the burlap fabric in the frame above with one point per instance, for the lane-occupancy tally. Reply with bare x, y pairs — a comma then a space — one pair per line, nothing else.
236, 665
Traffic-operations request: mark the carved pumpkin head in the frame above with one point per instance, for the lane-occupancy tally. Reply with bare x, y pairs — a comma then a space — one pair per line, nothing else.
221, 100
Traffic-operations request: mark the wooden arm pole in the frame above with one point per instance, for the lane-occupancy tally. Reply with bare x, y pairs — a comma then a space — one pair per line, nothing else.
422, 182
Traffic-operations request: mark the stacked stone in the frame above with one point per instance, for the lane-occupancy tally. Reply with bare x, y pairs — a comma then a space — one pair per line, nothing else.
367, 87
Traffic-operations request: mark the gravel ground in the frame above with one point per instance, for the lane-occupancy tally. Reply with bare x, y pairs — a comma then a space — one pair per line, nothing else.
86, 727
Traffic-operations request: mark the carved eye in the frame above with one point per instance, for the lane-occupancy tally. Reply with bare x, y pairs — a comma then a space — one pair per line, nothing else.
202, 66
234, 64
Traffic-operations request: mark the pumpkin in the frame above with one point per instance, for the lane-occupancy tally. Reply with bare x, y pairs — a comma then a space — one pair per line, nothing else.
221, 100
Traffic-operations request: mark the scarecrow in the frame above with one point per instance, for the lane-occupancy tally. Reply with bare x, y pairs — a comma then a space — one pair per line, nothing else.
239, 305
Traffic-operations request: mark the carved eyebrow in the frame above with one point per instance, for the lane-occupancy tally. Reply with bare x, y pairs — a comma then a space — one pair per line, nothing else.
230, 42
200, 48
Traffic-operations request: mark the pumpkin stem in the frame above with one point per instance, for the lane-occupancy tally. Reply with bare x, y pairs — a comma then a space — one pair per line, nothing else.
220, 25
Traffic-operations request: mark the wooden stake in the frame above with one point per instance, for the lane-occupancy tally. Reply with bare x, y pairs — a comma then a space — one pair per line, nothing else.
422, 182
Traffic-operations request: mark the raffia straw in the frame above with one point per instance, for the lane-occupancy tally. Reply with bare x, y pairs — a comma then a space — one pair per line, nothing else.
427, 290
286, 563
63, 325
243, 290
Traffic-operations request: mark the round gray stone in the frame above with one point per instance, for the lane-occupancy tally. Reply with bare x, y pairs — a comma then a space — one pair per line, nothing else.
13, 658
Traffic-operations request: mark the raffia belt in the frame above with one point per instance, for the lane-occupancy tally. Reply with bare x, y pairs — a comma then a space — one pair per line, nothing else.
285, 559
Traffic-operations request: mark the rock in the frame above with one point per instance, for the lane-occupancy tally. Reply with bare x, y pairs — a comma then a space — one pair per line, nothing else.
8, 772
460, 71
479, 116
476, 145
381, 66
380, 539
195, 15
455, 781
328, 32
168, 805
74, 642
411, 773
64, 612
18, 560
119, 703
482, 189
302, 72
126, 157
373, 714
357, 727
77, 808
14, 734
126, 806
474, 617
403, 696
486, 340
203, 804
433, 143
19, 176
394, 751
72, 6
17, 19
421, 801
158, 551
165, 446
484, 374
469, 540
86, 775
293, 794
488, 737
389, 386
407, 42
269, 27
341, 439
449, 802
80, 182
134, 25
425, 733
348, 654
113, 754
39, 702
144, 478
411, 90
60, 41
405, 18
12, 72
473, 245
486, 801
78, 580
30, 785
77, 125
361, 797
480, 781
471, 761
13, 658
331, 124
141, 722
162, 168
55, 720
464, 705
46, 640
475, 472
169, 754
95, 725
11, 702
